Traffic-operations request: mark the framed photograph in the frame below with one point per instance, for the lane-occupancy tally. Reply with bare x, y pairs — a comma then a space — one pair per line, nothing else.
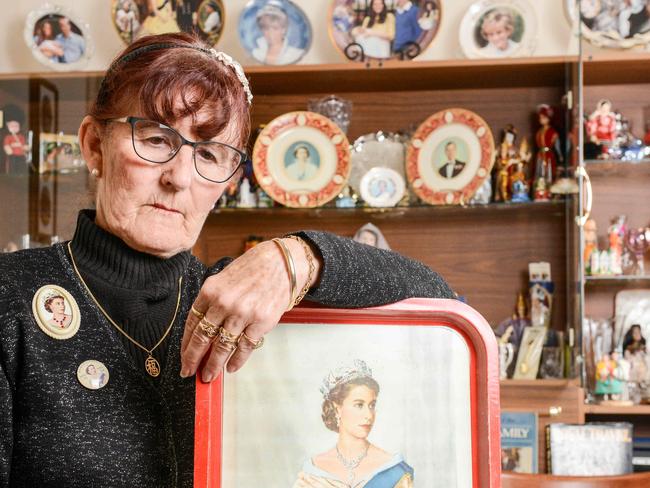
498, 29
530, 353
383, 29
450, 156
409, 381
58, 38
274, 32
136, 18
59, 153
377, 149
301, 159
382, 187
616, 24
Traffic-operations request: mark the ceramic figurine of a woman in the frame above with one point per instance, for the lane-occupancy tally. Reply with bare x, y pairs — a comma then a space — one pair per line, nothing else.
547, 140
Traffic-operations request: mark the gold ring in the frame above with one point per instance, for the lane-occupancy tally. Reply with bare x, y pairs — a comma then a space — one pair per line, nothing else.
256, 344
209, 329
228, 339
196, 313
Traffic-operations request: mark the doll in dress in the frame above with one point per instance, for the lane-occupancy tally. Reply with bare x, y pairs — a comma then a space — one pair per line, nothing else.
548, 153
14, 144
505, 159
601, 127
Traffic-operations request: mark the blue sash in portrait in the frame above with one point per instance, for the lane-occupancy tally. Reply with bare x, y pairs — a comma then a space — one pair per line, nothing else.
388, 478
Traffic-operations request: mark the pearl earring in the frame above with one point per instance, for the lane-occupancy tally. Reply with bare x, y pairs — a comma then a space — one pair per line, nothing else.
95, 172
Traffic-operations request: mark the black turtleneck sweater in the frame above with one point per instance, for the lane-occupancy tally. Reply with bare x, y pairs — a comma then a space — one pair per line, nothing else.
134, 432
137, 290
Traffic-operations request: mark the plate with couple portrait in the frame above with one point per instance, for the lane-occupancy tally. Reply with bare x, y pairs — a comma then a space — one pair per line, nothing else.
383, 29
301, 159
450, 156
136, 18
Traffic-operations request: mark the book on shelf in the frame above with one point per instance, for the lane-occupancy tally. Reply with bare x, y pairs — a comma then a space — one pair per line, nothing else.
519, 442
591, 449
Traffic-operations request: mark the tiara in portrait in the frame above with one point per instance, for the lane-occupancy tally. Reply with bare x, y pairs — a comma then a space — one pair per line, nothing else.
344, 374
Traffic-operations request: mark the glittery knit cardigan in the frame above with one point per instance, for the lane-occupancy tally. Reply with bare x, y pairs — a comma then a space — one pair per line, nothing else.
134, 432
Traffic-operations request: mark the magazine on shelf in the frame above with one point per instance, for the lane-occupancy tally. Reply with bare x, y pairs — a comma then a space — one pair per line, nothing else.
592, 449
519, 442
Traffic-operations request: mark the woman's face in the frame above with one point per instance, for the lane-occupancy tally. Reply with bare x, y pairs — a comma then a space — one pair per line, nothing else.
357, 412
497, 34
302, 154
155, 208
91, 370
47, 30
58, 306
636, 334
367, 237
273, 32
378, 6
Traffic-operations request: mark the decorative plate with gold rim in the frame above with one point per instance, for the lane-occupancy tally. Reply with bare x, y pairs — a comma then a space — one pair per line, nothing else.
302, 159
450, 156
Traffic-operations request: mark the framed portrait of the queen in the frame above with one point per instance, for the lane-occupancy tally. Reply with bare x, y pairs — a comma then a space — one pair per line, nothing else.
386, 397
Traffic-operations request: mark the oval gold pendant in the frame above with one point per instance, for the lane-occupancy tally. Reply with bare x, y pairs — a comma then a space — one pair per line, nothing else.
152, 366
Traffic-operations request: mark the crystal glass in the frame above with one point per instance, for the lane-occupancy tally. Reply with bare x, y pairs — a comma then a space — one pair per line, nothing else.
338, 110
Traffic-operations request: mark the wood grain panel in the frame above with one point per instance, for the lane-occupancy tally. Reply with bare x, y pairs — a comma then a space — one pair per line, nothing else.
483, 253
393, 111
539, 398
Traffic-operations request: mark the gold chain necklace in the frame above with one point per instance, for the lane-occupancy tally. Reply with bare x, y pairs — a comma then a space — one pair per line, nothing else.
151, 364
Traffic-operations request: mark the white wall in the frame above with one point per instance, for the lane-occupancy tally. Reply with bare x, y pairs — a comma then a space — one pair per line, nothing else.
554, 32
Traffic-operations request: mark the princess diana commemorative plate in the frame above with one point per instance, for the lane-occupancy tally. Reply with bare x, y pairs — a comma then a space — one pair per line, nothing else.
302, 159
382, 187
450, 156
274, 32
380, 29
498, 29
136, 18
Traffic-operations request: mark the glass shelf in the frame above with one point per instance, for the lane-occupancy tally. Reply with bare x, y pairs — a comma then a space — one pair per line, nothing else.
616, 279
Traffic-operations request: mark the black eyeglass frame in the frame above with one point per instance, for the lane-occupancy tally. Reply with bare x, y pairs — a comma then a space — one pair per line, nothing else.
133, 120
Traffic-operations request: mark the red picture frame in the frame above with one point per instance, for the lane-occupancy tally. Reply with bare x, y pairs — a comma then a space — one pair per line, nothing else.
483, 381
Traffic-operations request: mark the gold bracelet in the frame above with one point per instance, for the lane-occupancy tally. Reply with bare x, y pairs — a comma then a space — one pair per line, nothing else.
291, 267
310, 259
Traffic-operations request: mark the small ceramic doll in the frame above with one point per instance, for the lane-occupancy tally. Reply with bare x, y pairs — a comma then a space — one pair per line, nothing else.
591, 244
607, 383
601, 127
506, 155
518, 185
548, 153
14, 143
616, 237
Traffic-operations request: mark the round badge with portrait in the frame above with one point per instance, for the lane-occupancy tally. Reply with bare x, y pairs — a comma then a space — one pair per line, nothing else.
136, 18
383, 29
450, 156
93, 374
615, 24
274, 32
56, 312
382, 187
58, 38
302, 159
498, 29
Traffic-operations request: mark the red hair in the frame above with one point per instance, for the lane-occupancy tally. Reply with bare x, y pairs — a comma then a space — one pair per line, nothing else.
156, 79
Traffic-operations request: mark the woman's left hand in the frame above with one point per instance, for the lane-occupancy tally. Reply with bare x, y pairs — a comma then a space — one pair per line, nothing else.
246, 300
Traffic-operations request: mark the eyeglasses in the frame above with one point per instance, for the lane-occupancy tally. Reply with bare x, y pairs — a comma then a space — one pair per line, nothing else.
158, 143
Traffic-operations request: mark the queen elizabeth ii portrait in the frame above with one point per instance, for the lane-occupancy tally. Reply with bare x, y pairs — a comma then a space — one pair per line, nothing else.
349, 409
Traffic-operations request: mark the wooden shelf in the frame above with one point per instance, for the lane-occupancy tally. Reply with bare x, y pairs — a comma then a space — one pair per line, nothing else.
609, 167
410, 75
545, 383
612, 410
616, 68
555, 207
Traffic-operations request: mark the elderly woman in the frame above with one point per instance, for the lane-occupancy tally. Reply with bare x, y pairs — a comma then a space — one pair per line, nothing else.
163, 139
